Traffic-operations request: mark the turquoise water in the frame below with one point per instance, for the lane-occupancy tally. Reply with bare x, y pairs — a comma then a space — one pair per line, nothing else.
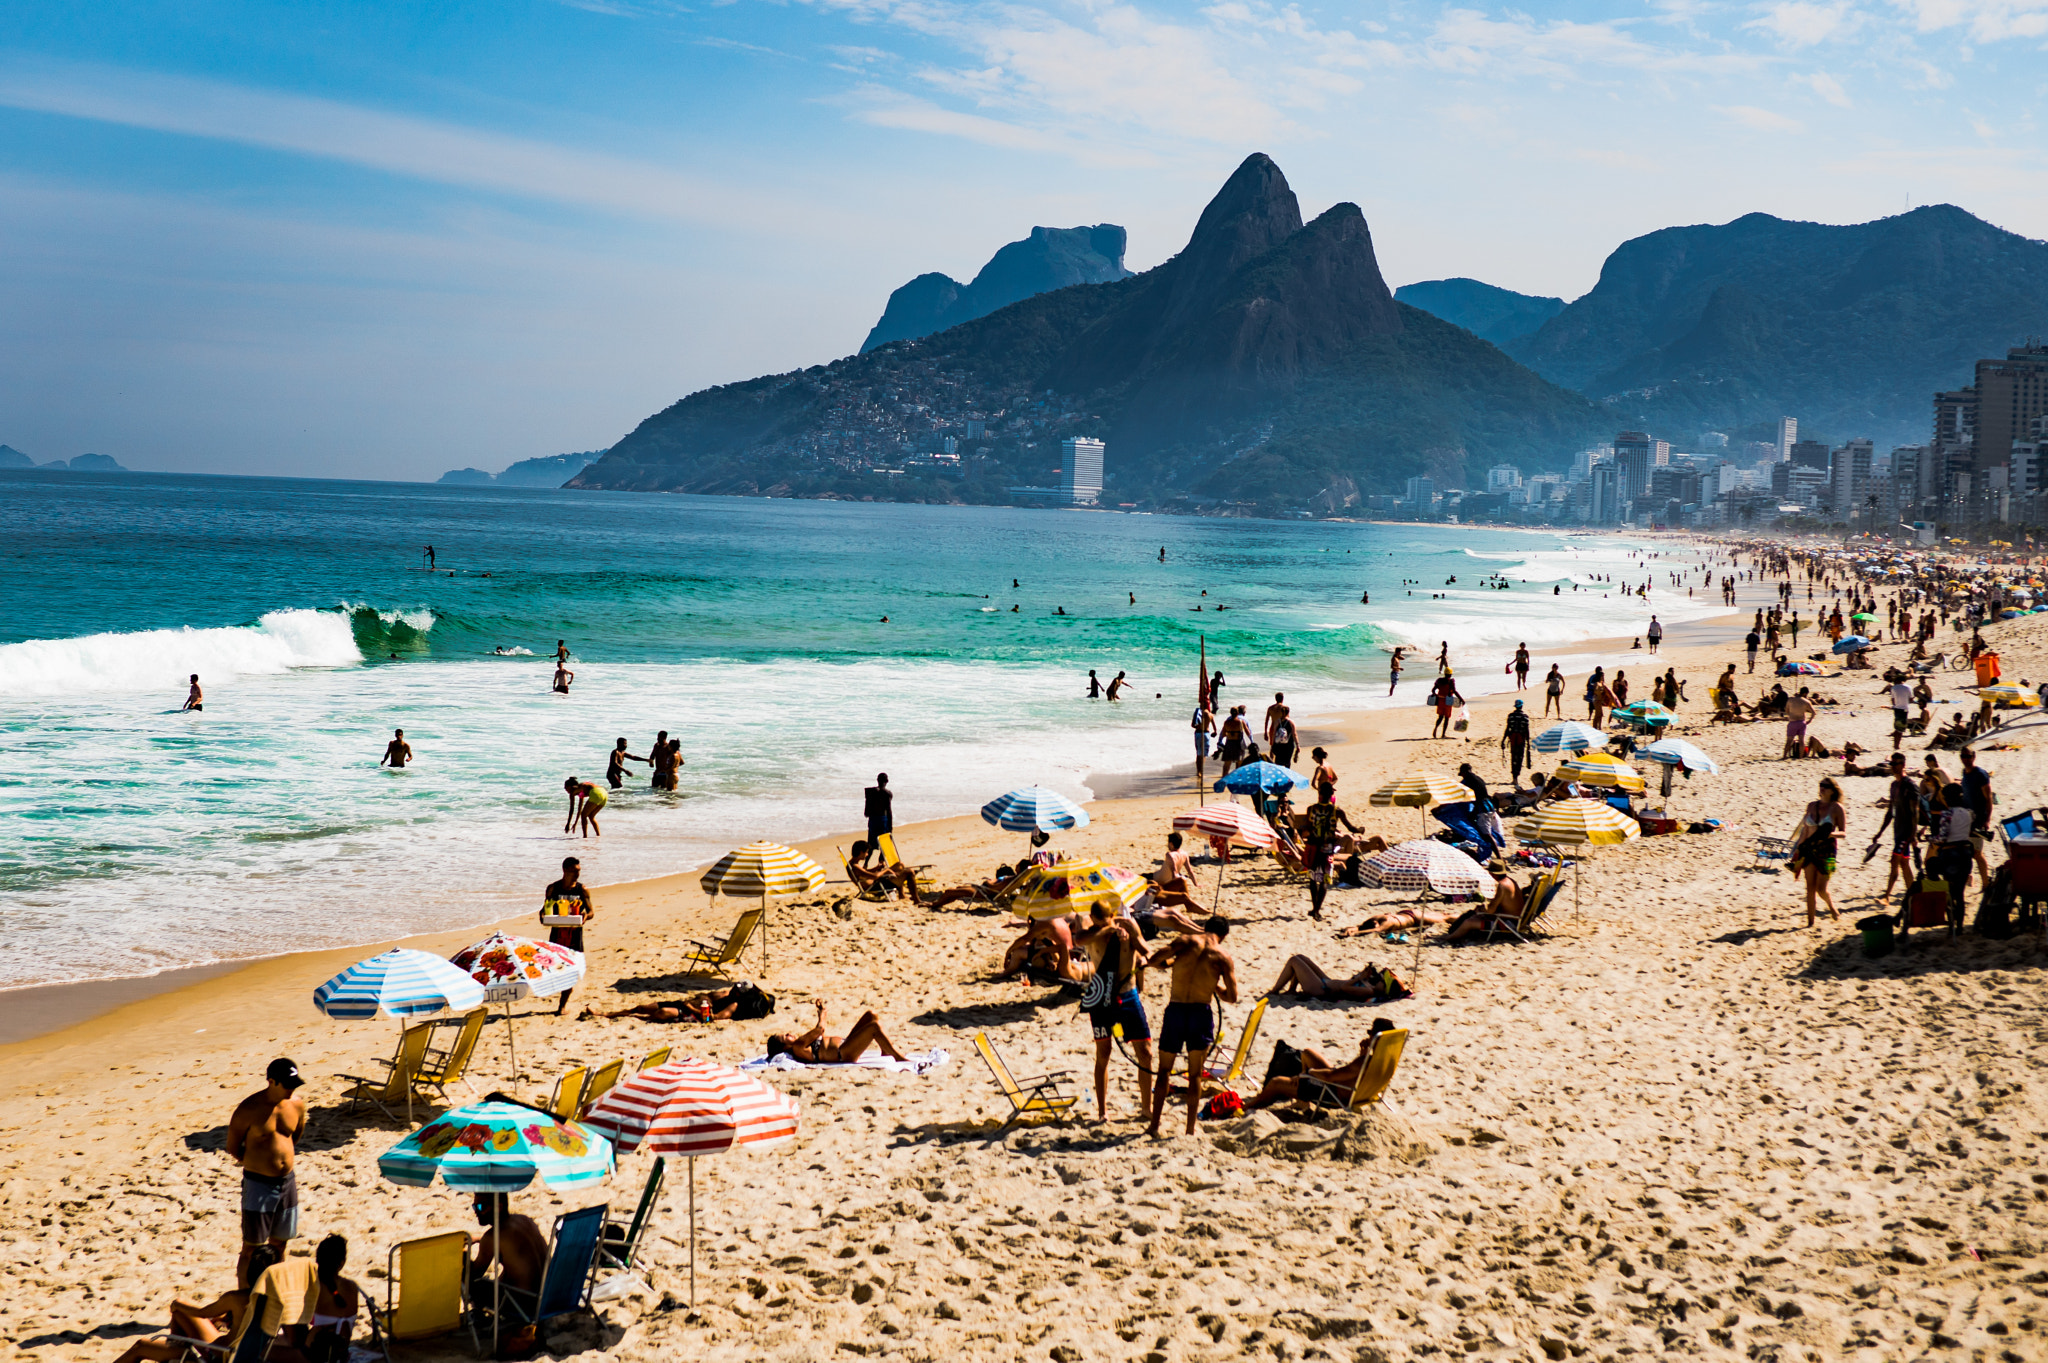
135, 838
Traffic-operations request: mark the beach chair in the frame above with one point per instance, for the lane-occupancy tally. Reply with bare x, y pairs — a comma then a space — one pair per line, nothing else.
1226, 1075
714, 959
572, 1262
658, 1056
1769, 850
395, 1089
1041, 1094
1536, 901
442, 1068
874, 892
423, 1291
920, 876
602, 1081
616, 1243
567, 1098
1378, 1070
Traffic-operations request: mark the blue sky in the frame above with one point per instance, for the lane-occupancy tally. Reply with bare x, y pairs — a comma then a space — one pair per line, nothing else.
387, 240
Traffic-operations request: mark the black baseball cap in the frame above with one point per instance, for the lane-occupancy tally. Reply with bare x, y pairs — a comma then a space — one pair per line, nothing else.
284, 1072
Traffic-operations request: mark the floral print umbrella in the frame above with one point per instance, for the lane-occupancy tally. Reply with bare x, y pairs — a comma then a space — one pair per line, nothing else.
498, 1147
511, 967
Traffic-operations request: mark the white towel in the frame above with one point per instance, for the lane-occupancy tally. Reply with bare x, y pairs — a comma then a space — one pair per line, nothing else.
917, 1062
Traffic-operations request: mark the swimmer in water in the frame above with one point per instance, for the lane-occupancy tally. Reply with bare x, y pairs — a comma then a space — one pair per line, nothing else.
615, 765
397, 752
195, 699
561, 650
563, 676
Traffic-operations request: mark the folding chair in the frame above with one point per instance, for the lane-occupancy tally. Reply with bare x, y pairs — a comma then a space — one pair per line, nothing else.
1226, 1075
602, 1081
395, 1088
572, 1261
1041, 1094
1378, 1070
423, 1292
567, 1098
1769, 850
442, 1068
714, 959
658, 1056
616, 1243
1535, 903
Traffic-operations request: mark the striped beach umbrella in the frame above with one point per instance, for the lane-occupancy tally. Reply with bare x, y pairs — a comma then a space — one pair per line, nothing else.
1425, 864
1260, 778
497, 1147
1590, 822
2005, 694
1421, 789
763, 869
691, 1107
1646, 713
1231, 823
1600, 769
1676, 752
1073, 886
399, 983
1034, 809
1570, 736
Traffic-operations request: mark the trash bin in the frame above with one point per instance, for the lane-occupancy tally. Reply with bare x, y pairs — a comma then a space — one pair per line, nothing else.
1987, 668
1877, 935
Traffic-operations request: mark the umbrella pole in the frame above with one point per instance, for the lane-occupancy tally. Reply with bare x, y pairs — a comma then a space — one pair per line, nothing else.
693, 1232
497, 1277
764, 935
511, 1049
408, 1078
1664, 790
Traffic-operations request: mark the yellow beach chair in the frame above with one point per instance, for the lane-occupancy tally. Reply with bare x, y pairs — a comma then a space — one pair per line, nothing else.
658, 1056
394, 1090
442, 1068
1226, 1075
705, 959
602, 1081
1378, 1071
423, 1293
567, 1098
1041, 1094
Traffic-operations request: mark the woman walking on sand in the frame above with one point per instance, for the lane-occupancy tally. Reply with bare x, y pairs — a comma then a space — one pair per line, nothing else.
1553, 693
1815, 844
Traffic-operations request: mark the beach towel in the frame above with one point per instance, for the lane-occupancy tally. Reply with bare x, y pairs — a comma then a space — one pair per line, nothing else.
917, 1062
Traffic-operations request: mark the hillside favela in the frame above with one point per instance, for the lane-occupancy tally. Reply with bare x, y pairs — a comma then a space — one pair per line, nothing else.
960, 682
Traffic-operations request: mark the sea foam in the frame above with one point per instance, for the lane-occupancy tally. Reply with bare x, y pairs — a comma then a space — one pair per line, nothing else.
162, 659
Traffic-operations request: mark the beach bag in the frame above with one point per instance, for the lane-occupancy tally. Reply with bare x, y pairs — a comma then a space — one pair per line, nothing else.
753, 1003
1286, 1062
1221, 1106
1994, 912
1462, 719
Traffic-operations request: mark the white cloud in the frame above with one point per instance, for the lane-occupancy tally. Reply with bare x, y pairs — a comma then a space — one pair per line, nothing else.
1988, 21
1827, 87
1798, 23
1759, 120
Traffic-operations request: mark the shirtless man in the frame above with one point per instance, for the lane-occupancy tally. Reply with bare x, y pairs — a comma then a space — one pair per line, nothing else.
263, 1138
518, 1246
1112, 999
1320, 843
195, 699
1275, 712
1173, 886
1116, 687
663, 770
1230, 746
816, 1048
563, 676
615, 765
1798, 712
1202, 972
397, 752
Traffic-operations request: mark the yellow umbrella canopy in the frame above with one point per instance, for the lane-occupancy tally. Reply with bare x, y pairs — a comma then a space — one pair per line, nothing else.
1421, 788
1600, 769
1578, 821
1072, 886
2005, 694
762, 869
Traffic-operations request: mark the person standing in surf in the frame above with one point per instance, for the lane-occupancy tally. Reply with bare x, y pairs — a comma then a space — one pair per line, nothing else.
397, 752
195, 699
563, 676
615, 765
1394, 669
585, 800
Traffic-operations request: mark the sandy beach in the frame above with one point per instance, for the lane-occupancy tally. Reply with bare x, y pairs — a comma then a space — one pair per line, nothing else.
1678, 1122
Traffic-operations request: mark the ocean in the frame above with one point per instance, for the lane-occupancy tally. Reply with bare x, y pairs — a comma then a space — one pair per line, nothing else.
797, 648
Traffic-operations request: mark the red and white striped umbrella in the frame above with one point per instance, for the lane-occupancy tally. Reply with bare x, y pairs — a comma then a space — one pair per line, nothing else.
1425, 864
1232, 821
693, 1107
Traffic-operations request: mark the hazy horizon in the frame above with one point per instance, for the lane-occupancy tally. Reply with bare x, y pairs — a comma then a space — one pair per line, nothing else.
375, 244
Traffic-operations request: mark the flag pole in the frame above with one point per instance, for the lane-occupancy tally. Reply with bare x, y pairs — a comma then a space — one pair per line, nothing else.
1202, 702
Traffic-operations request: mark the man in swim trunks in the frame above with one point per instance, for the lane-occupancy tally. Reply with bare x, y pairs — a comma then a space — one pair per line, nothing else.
816, 1048
1112, 1001
585, 800
1798, 711
879, 805
1230, 748
263, 1138
1204, 725
563, 676
1116, 687
397, 752
615, 765
1202, 973
195, 699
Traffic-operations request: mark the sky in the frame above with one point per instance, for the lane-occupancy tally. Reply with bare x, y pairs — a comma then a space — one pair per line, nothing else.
387, 240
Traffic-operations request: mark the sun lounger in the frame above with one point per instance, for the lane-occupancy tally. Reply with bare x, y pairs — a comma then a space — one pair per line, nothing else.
395, 1089
714, 959
1041, 1094
602, 1080
1226, 1075
572, 1261
873, 891
1769, 850
616, 1243
1378, 1071
567, 1098
423, 1294
1536, 901
442, 1068
658, 1056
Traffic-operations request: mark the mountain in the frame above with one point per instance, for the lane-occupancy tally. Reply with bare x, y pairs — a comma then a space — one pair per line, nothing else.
97, 463
1488, 312
1050, 258
1265, 367
548, 470
1850, 329
11, 458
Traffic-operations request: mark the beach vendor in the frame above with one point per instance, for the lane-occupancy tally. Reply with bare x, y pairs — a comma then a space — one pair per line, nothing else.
566, 898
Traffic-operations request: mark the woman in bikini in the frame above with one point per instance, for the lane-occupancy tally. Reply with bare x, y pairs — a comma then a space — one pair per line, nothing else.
1818, 840
816, 1048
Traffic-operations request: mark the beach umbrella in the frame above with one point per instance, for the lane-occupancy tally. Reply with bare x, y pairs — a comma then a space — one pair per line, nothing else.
1791, 669
1034, 809
1851, 643
399, 983
1072, 886
693, 1108
1860, 616
1260, 778
1420, 790
512, 968
498, 1147
1600, 769
1224, 825
1588, 823
1645, 713
1425, 864
1570, 736
2005, 694
1671, 753
763, 869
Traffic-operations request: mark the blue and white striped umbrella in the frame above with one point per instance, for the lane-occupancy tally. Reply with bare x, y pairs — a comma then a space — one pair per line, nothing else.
498, 1148
400, 983
1676, 752
1254, 778
1034, 809
1570, 736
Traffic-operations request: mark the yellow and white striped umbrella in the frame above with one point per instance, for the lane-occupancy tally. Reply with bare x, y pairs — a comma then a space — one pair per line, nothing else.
2004, 694
1600, 769
1421, 788
763, 868
1073, 886
1578, 821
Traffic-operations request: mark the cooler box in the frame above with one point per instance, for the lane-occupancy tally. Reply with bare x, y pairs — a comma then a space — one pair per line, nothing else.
1987, 668
2029, 862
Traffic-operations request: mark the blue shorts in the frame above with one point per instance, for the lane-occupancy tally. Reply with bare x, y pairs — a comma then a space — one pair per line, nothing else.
1186, 1027
1126, 1011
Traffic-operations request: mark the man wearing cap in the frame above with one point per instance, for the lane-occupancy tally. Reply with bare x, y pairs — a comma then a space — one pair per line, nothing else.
263, 1138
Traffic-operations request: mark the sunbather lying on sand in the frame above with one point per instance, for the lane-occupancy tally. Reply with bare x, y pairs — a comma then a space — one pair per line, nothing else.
743, 1002
1319, 1083
214, 1320
1371, 985
815, 1048
1394, 920
981, 891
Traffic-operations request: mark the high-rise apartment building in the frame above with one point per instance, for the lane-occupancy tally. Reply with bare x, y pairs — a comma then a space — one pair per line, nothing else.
1080, 469
2011, 393
1849, 479
1788, 431
1503, 478
1632, 456
1813, 454
1604, 506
